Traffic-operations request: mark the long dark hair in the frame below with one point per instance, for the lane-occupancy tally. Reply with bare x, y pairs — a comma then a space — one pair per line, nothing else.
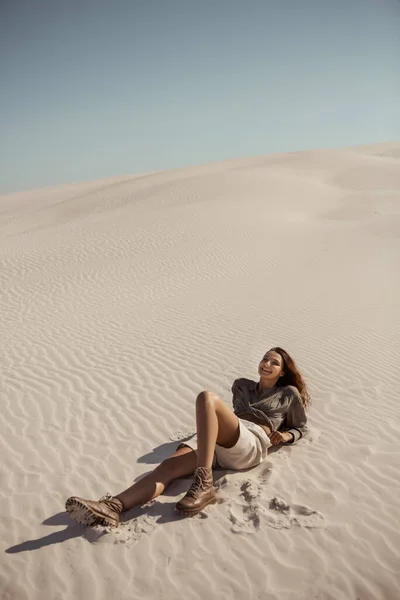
292, 376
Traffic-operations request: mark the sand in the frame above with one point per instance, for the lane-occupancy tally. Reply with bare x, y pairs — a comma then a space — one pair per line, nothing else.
122, 299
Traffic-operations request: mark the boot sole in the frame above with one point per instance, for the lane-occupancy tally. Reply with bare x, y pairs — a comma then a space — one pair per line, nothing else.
82, 514
190, 512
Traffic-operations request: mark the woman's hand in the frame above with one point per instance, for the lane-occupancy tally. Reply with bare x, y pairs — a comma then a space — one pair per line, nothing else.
280, 437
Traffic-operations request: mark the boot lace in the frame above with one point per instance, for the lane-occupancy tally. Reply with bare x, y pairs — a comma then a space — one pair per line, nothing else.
111, 503
199, 483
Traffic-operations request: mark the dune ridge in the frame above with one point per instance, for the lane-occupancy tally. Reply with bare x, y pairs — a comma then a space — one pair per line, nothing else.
122, 299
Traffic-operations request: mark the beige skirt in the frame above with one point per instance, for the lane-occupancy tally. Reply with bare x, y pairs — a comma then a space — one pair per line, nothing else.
249, 451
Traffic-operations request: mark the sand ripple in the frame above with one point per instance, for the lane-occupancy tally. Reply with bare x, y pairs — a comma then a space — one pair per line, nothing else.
122, 299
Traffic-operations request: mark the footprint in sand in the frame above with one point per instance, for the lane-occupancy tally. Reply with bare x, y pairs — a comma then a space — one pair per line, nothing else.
254, 512
127, 533
281, 515
245, 518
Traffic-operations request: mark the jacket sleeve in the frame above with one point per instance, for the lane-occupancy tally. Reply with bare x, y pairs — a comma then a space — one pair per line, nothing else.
237, 401
235, 386
296, 418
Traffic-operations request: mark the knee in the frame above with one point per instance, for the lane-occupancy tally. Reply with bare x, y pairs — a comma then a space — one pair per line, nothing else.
206, 398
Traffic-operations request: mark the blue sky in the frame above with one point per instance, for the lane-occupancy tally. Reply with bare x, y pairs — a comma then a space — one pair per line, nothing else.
92, 89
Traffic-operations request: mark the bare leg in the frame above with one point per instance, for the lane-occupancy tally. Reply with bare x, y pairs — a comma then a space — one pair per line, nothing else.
216, 424
182, 463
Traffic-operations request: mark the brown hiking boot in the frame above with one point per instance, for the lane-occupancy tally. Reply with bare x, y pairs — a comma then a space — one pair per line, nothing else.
104, 512
200, 494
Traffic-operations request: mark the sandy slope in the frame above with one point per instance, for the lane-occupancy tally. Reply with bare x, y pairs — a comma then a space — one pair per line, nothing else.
122, 299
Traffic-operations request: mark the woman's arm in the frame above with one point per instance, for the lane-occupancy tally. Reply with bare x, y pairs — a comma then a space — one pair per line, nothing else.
296, 418
281, 437
296, 433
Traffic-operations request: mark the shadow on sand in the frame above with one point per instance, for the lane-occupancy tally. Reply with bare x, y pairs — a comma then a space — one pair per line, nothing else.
162, 452
163, 512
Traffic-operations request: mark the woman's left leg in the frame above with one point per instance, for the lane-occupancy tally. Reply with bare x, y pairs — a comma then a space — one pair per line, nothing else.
216, 424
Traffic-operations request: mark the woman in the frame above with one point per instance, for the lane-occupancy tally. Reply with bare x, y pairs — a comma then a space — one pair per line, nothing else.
269, 412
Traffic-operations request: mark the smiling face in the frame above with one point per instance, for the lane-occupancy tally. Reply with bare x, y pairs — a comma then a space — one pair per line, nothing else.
270, 368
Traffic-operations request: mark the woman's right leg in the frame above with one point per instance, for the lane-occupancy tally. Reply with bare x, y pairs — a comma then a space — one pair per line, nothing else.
106, 511
180, 464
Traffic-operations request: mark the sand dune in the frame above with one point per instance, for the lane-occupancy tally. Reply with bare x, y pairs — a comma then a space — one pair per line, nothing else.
122, 299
